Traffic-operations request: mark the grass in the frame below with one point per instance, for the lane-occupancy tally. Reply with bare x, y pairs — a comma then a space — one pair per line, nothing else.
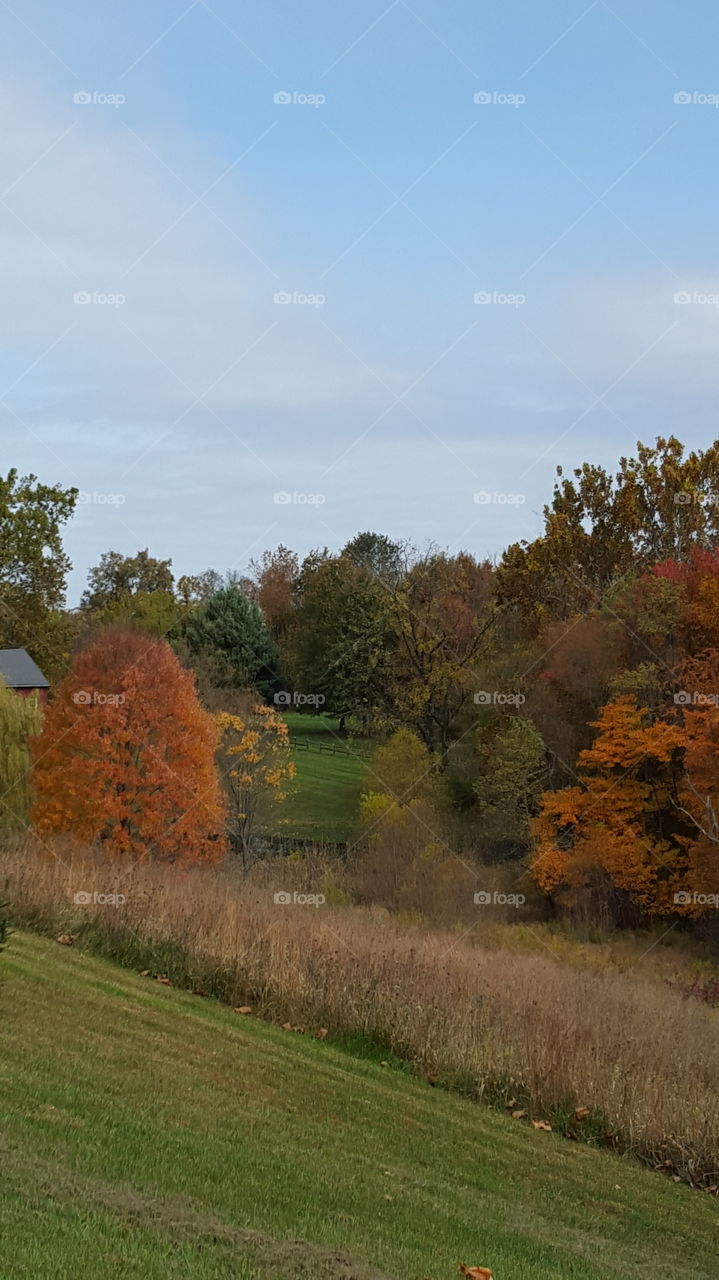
148, 1133
325, 798
490, 1023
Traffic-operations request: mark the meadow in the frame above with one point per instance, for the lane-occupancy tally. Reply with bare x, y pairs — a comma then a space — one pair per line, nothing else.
610, 1056
148, 1133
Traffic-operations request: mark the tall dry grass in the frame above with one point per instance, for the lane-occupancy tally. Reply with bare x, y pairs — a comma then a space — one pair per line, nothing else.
499, 1026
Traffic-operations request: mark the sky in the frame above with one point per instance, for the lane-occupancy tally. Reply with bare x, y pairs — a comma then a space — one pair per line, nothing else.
280, 273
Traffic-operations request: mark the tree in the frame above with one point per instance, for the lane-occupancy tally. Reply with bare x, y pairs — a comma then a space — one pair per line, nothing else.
442, 617
20, 719
275, 574
118, 577
509, 785
231, 625
256, 766
33, 566
402, 768
126, 756
599, 527
379, 555
343, 636
618, 835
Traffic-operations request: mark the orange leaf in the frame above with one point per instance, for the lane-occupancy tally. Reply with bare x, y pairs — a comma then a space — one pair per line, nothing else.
518, 1115
542, 1124
475, 1273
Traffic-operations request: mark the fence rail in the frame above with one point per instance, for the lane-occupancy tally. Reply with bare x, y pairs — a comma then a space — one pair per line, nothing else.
327, 748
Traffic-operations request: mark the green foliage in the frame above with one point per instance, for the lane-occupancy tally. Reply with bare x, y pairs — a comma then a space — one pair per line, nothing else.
233, 627
118, 578
343, 636
511, 781
20, 719
33, 566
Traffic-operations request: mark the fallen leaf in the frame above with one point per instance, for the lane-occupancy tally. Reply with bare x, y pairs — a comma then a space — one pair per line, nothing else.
518, 1115
321, 1033
542, 1124
144, 973
244, 1008
286, 1026
66, 939
581, 1113
512, 1103
165, 981
475, 1273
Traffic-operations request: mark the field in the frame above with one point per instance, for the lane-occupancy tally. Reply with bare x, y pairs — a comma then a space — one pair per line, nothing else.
149, 1133
325, 798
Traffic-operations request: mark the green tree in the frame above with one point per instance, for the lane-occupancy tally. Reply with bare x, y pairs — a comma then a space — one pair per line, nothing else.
117, 578
343, 636
232, 626
34, 567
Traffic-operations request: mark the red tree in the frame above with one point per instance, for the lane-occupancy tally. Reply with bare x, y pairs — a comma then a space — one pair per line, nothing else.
126, 756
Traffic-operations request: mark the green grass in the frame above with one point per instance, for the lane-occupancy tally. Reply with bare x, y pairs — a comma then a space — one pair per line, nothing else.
148, 1133
325, 798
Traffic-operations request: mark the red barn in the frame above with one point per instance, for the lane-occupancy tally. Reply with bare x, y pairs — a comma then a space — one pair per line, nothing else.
20, 673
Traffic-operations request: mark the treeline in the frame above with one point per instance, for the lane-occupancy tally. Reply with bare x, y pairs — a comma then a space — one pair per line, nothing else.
559, 709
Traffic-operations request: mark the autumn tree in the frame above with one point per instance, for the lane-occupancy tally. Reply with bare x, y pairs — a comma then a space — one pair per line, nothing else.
275, 574
20, 720
598, 527
126, 756
617, 836
34, 568
256, 767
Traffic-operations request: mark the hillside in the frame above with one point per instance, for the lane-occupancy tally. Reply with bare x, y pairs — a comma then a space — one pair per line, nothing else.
150, 1133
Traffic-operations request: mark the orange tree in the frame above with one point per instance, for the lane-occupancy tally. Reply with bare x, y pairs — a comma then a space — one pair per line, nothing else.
126, 756
256, 766
642, 825
617, 834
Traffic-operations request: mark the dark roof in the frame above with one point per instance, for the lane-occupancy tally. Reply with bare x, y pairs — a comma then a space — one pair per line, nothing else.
19, 671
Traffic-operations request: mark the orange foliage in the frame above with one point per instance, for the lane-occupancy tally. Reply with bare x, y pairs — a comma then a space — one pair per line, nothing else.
126, 756
612, 822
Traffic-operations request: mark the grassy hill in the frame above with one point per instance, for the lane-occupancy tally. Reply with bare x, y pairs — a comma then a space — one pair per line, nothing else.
148, 1133
330, 775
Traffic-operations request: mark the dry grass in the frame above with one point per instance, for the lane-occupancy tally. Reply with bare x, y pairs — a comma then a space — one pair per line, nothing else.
499, 1025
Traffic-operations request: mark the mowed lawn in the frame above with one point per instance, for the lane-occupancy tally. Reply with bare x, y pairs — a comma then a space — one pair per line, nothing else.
325, 795
148, 1133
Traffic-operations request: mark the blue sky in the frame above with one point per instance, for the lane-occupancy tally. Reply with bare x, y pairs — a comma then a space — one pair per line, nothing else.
180, 397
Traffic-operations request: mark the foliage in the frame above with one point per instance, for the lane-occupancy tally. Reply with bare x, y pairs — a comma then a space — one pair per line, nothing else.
507, 790
20, 719
402, 768
275, 574
33, 566
342, 636
126, 756
232, 626
599, 527
618, 832
257, 769
118, 577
